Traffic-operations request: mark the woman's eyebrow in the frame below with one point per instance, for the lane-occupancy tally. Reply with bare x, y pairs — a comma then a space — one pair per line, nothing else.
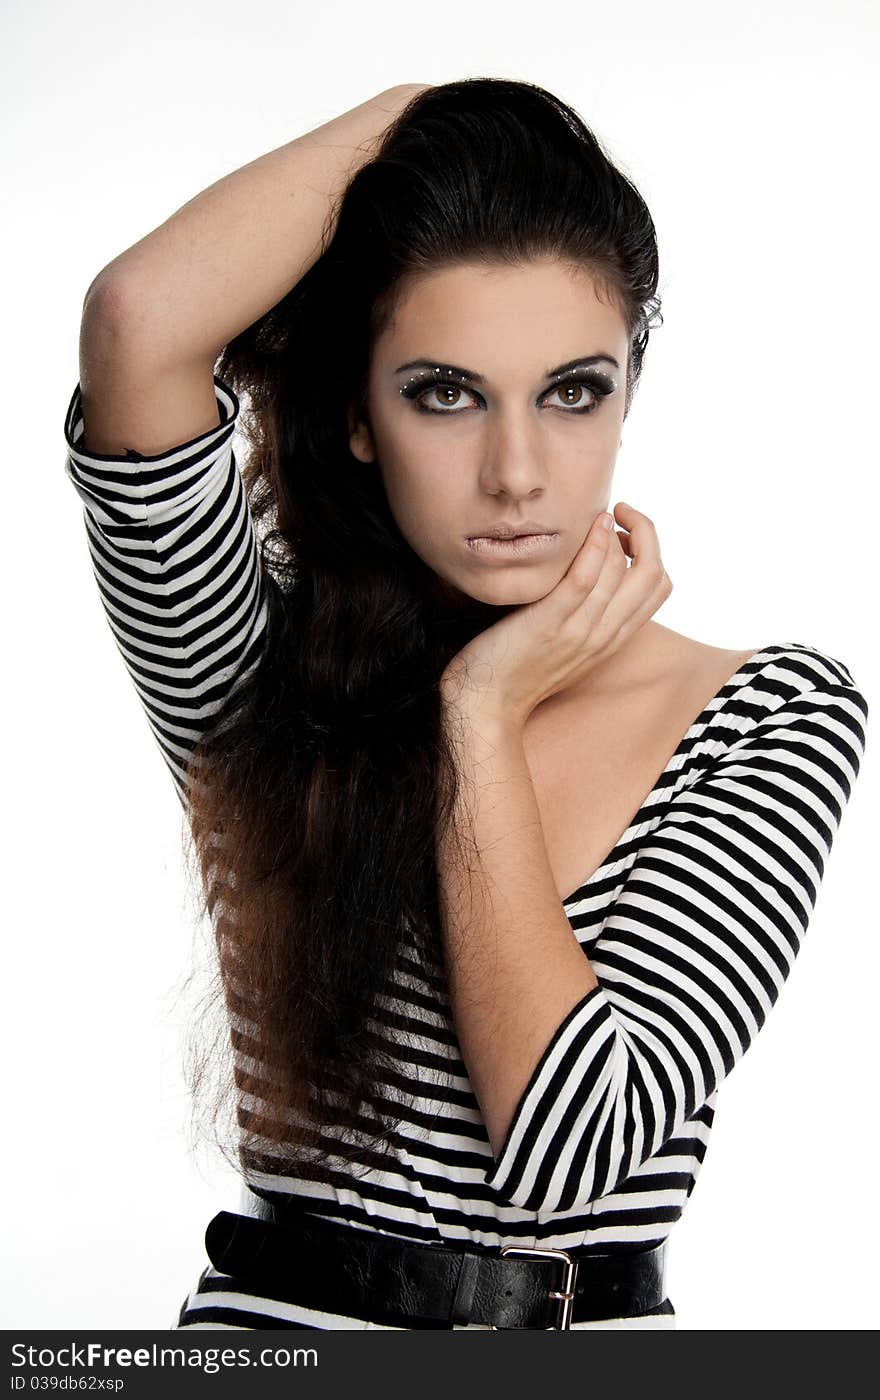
475, 378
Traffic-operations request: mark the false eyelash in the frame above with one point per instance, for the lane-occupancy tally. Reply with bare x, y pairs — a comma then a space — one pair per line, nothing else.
600, 384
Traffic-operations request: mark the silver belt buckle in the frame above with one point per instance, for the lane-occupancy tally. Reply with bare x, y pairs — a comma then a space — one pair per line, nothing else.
566, 1296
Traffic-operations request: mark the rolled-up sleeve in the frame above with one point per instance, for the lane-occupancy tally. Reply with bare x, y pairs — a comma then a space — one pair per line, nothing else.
177, 563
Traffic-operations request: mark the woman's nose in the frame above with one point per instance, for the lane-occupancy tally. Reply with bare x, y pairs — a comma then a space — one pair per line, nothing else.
513, 458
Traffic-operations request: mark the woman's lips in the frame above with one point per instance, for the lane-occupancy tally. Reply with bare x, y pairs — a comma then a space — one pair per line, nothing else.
517, 547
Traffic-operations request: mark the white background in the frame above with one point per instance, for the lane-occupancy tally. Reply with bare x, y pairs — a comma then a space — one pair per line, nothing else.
751, 132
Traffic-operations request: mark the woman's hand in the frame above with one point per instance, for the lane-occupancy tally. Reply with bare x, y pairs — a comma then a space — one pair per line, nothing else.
545, 646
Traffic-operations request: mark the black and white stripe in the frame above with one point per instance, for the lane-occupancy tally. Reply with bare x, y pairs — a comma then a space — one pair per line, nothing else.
692, 922
177, 564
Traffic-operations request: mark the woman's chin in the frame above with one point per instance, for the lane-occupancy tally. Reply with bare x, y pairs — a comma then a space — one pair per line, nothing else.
490, 591
456, 600
526, 587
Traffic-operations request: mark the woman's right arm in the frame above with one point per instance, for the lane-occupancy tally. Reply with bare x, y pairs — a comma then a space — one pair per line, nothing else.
156, 318
149, 428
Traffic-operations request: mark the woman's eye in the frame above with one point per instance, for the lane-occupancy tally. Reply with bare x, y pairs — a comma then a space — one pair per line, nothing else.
574, 395
448, 396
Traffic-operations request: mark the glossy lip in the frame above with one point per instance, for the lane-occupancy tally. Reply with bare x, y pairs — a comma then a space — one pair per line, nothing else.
519, 546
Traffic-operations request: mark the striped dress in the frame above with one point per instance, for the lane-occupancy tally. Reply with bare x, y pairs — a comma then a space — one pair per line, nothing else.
692, 922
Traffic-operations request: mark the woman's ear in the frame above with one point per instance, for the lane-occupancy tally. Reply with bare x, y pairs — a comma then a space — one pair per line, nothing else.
360, 438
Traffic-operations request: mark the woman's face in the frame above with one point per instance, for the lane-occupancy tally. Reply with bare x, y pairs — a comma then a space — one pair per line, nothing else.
515, 440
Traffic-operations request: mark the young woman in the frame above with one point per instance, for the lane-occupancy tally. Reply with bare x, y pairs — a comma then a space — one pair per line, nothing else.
505, 875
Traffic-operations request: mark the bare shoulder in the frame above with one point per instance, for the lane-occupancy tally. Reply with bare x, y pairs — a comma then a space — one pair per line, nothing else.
659, 661
653, 686
681, 675
689, 658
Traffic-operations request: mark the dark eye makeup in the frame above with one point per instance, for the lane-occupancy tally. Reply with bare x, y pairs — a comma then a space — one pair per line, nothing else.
426, 381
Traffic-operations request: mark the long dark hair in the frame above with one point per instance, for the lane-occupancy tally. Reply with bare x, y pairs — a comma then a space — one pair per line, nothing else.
328, 772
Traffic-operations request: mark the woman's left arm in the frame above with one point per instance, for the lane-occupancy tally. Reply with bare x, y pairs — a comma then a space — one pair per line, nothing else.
582, 1077
515, 968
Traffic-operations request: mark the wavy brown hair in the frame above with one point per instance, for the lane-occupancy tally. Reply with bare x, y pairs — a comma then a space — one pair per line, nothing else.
323, 779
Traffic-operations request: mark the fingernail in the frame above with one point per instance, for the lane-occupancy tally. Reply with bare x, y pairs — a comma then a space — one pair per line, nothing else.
606, 519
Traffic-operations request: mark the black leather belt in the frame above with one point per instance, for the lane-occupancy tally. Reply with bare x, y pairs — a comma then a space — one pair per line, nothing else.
283, 1252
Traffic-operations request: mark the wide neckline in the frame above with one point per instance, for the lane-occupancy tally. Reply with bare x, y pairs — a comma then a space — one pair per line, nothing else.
710, 709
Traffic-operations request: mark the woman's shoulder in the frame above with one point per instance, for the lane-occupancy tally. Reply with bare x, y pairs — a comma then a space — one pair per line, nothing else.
802, 665
748, 686
781, 698
660, 680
